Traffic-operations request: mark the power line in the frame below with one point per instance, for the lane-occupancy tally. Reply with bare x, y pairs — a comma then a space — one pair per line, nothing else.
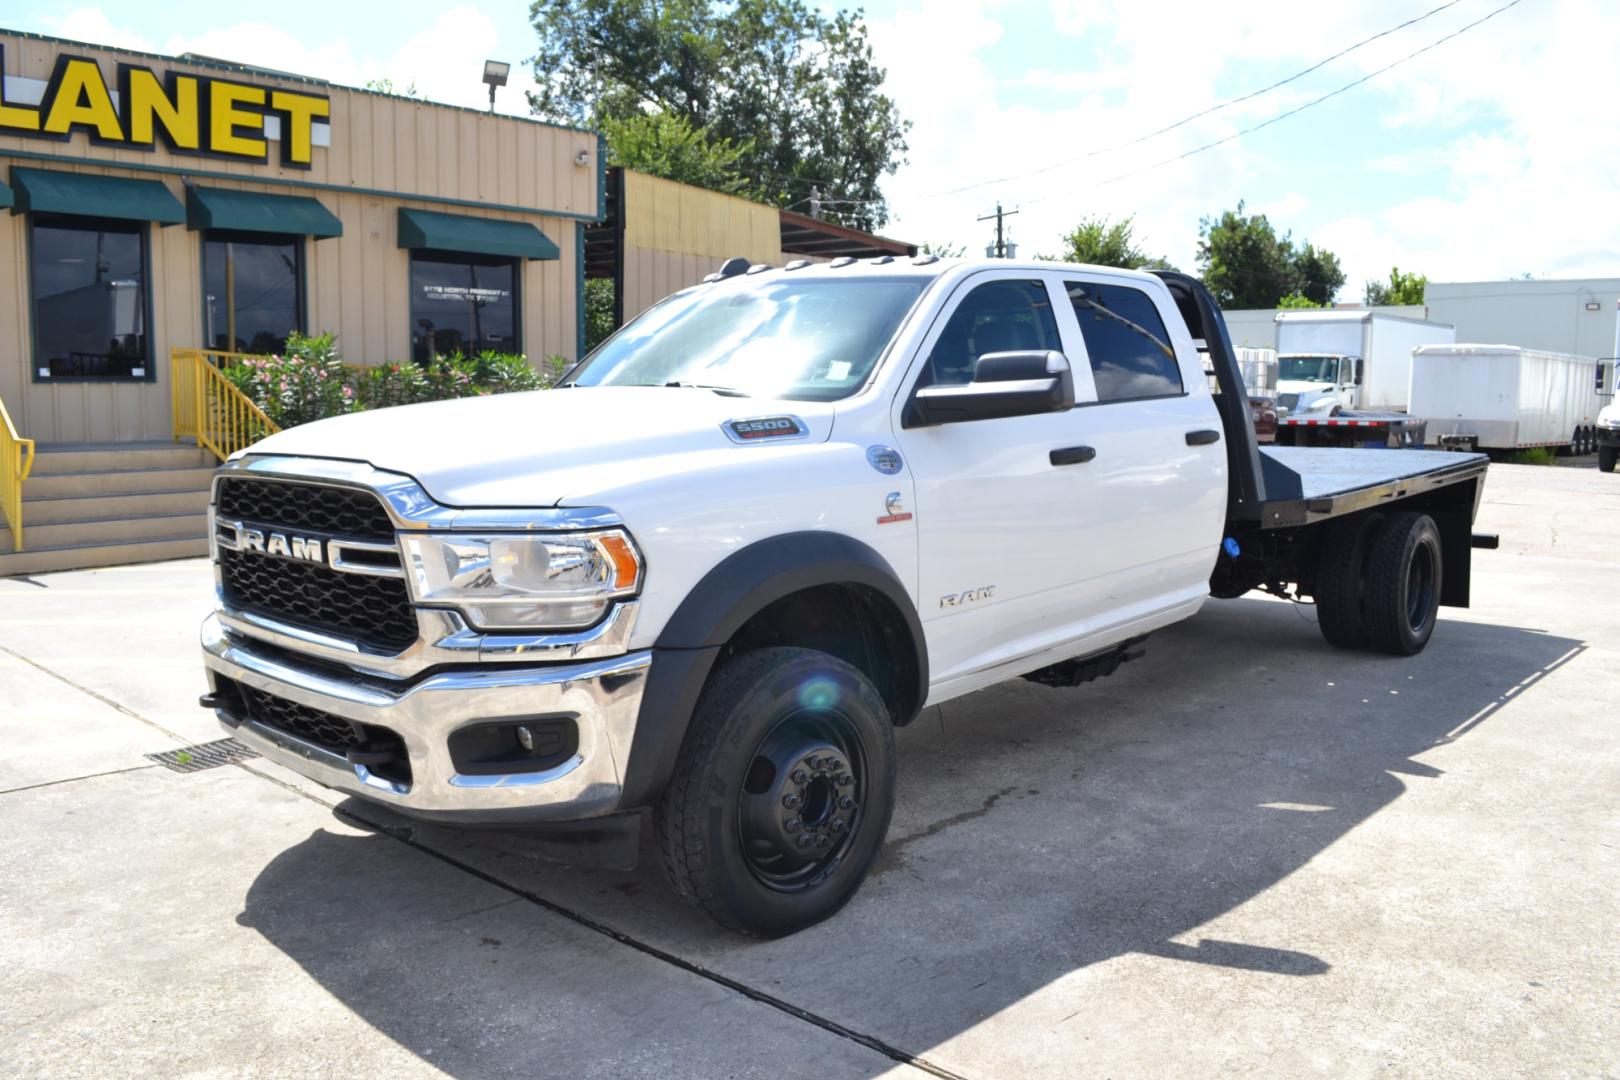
1198, 115
1301, 108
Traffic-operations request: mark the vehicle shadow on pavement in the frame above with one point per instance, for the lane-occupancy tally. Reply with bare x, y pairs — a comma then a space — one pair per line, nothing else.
1038, 832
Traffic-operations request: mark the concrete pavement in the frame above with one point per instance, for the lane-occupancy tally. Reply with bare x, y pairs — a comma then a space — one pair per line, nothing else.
1245, 852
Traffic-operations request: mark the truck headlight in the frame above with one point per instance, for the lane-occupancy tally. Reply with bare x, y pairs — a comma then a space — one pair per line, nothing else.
524, 581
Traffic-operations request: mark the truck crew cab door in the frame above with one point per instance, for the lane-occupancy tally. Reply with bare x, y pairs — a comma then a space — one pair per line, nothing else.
1156, 491
1000, 533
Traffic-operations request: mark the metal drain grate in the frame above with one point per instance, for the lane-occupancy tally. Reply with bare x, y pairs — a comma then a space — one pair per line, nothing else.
208, 755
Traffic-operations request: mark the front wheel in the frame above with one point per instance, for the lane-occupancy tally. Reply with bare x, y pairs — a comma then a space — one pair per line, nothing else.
1606, 457
782, 795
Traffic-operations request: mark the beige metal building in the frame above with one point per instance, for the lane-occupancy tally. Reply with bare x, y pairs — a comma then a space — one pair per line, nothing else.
657, 236
159, 202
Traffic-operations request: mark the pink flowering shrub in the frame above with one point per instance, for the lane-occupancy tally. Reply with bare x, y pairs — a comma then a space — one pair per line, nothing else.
310, 382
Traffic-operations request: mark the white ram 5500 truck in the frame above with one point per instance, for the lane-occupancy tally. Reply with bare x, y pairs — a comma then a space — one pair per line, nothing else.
764, 524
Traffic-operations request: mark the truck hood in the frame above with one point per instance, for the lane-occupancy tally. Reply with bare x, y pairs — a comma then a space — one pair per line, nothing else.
1303, 389
1609, 415
534, 449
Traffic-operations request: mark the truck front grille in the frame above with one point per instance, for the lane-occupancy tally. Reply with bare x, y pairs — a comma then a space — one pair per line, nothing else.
354, 515
374, 611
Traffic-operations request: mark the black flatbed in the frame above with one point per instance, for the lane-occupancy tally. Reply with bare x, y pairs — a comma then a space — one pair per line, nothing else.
1302, 484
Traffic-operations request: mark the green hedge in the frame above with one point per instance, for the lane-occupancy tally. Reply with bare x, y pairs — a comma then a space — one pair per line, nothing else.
309, 380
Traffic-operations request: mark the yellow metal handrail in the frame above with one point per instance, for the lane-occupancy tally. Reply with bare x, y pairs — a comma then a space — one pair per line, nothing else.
208, 408
16, 462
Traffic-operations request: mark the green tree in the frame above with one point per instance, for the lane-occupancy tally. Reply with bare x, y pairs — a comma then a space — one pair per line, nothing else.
1400, 289
666, 144
1101, 242
1298, 300
1247, 265
598, 311
944, 251
793, 92
386, 86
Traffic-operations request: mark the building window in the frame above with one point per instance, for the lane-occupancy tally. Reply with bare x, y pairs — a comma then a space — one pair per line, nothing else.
462, 304
1131, 355
89, 281
252, 291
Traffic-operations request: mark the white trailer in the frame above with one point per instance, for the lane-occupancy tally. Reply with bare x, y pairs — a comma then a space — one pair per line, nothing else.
1504, 397
1333, 359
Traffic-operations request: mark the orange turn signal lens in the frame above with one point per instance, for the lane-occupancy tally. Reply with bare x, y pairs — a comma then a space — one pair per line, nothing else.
626, 567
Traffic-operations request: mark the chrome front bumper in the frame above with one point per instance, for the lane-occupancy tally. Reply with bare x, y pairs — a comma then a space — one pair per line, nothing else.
602, 696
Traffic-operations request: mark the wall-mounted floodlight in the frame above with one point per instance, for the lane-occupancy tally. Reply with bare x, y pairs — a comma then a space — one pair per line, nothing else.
495, 73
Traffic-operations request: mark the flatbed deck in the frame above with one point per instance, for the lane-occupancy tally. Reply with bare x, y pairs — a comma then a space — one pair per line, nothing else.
1304, 484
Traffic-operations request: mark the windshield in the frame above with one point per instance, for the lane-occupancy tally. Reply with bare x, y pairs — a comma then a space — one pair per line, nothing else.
1322, 369
810, 339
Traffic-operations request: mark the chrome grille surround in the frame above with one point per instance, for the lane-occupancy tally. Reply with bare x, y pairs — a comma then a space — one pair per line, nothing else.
441, 636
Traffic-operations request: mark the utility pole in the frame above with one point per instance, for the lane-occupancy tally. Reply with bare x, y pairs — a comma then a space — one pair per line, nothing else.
1001, 238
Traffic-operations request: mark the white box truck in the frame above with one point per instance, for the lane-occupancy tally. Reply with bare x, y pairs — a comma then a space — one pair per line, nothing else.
1504, 397
1329, 360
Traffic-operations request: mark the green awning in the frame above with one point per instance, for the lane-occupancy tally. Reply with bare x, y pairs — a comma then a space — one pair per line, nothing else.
253, 211
472, 235
5, 196
49, 192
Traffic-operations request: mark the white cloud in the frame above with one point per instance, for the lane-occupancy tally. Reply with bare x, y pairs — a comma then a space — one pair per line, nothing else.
1519, 175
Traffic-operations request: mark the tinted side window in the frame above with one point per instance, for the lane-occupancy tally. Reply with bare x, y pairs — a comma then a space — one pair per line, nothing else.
998, 316
1131, 355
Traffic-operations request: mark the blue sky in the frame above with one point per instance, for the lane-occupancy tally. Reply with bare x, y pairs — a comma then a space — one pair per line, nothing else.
1491, 156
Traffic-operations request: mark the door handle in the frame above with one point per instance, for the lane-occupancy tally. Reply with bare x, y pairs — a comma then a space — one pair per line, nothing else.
1203, 437
1072, 455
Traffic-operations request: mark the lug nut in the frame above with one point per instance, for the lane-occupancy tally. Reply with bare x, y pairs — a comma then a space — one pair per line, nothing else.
799, 776
844, 780
823, 840
806, 840
792, 824
791, 801
838, 824
845, 802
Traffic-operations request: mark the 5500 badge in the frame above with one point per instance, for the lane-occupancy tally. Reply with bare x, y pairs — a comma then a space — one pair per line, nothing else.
190, 114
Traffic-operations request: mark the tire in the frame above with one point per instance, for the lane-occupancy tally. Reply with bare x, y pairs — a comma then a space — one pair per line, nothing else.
1339, 581
1606, 457
757, 776
1404, 574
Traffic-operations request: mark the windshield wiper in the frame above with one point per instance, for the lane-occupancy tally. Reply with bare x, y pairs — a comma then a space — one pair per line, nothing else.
723, 391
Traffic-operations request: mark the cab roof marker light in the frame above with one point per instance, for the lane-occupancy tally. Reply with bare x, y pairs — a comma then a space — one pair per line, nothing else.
924, 260
881, 260
760, 268
842, 260
797, 264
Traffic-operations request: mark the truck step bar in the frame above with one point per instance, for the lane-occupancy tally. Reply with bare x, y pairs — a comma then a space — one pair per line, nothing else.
1097, 665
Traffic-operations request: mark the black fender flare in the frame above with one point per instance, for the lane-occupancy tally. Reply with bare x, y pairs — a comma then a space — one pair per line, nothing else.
732, 592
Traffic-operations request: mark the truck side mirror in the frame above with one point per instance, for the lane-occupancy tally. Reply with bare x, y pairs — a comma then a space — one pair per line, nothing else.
1022, 383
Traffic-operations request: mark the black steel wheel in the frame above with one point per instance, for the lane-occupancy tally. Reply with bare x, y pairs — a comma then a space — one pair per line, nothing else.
1404, 574
781, 797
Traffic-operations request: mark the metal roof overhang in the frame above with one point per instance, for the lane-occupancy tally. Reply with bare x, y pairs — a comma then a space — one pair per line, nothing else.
45, 191
254, 211
430, 230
